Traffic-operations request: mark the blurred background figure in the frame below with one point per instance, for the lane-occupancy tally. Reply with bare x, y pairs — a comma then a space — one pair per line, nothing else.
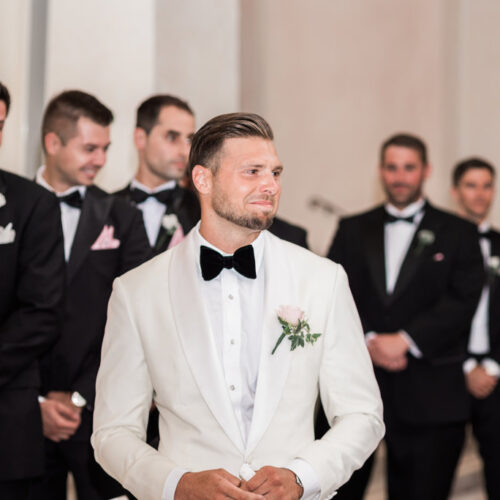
474, 189
416, 274
31, 292
103, 238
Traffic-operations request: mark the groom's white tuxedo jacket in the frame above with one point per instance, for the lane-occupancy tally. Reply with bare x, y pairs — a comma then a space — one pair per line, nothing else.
158, 343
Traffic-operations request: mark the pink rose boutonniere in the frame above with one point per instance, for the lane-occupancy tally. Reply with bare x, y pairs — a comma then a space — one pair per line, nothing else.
295, 327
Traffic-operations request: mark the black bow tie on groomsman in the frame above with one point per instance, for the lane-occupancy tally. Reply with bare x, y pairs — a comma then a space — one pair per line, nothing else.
73, 199
166, 196
389, 218
486, 234
213, 262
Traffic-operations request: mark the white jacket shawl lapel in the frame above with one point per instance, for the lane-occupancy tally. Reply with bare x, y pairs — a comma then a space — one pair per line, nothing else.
193, 326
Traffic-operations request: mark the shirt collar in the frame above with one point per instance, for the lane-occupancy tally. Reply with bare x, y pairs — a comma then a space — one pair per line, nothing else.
484, 227
162, 187
257, 244
42, 182
408, 211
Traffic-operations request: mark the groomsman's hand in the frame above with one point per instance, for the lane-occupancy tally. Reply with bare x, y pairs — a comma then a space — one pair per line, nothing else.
216, 484
388, 351
479, 383
275, 483
59, 420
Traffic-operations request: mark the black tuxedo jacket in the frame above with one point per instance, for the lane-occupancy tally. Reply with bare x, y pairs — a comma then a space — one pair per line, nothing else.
72, 363
31, 290
494, 301
186, 206
289, 232
434, 300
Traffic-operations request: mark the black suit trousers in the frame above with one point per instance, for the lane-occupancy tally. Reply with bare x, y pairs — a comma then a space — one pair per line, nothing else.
486, 427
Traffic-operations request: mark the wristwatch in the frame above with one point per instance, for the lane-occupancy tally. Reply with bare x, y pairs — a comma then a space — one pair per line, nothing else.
78, 400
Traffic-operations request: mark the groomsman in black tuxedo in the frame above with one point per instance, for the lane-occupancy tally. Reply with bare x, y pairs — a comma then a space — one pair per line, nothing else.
473, 189
164, 129
416, 274
103, 238
31, 289
165, 126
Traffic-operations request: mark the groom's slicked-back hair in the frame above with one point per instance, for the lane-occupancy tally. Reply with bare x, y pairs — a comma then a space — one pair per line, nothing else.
64, 110
208, 141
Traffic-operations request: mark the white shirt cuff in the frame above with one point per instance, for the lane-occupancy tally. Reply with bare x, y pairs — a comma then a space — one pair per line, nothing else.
369, 337
171, 483
491, 367
469, 365
414, 350
308, 477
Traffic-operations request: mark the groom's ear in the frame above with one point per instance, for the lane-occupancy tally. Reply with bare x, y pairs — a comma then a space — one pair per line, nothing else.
202, 179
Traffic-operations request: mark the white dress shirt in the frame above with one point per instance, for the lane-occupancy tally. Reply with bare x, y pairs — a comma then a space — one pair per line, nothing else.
69, 215
236, 309
152, 209
479, 341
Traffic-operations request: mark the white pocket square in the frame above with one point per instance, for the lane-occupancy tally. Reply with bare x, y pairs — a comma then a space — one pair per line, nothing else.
7, 234
106, 240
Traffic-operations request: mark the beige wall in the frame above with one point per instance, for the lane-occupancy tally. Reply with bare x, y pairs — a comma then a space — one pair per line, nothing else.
334, 78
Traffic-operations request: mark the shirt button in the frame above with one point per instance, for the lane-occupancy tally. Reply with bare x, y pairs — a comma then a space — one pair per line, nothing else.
232, 342
232, 388
230, 297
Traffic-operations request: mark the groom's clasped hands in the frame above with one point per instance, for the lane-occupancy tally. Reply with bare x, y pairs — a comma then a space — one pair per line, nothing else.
268, 482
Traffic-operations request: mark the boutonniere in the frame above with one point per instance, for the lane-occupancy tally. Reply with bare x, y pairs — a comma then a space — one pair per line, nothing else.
3, 201
170, 222
7, 234
424, 239
493, 267
295, 327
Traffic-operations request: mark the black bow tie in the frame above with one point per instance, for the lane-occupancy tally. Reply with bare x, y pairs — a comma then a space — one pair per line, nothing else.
213, 262
389, 218
73, 199
486, 234
166, 196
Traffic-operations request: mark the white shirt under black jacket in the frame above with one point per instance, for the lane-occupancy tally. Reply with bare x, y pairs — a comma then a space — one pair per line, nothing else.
236, 309
152, 209
479, 341
69, 215
397, 240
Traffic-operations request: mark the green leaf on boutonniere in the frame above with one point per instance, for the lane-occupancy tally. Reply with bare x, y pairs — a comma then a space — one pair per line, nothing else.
295, 327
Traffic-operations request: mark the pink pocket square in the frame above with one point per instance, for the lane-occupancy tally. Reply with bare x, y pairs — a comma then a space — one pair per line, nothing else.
177, 237
438, 257
106, 240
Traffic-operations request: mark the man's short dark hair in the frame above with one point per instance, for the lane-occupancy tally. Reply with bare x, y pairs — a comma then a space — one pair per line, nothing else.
64, 110
5, 97
149, 111
208, 141
470, 163
406, 141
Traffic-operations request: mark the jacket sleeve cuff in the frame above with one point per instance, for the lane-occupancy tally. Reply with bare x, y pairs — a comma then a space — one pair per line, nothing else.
171, 483
308, 477
469, 365
491, 367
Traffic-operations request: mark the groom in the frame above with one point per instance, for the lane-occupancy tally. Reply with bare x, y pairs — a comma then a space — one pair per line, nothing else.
234, 332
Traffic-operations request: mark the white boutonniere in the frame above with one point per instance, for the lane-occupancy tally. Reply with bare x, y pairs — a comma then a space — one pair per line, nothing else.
493, 267
3, 201
170, 222
7, 234
424, 239
295, 327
